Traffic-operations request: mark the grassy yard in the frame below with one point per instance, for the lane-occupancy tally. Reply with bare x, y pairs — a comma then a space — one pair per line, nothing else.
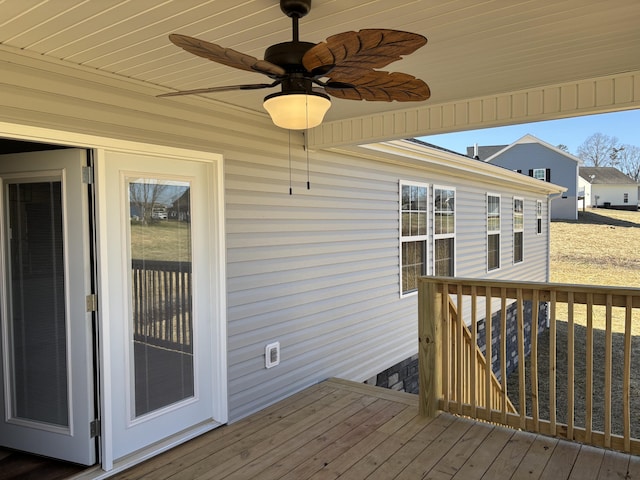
161, 240
600, 248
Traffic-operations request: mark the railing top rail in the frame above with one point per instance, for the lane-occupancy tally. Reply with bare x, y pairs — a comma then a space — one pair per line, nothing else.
582, 294
161, 265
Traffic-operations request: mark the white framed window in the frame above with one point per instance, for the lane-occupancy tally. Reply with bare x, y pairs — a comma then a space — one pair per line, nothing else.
540, 173
518, 229
444, 231
413, 234
539, 217
493, 231
626, 198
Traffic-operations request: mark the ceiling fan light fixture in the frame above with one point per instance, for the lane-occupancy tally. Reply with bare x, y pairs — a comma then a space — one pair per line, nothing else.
297, 111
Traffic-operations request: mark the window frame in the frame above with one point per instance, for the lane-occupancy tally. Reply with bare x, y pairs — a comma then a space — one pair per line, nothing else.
402, 239
518, 229
494, 232
443, 236
538, 217
544, 174
625, 197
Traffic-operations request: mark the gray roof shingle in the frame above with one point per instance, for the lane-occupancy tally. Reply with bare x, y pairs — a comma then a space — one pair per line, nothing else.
605, 175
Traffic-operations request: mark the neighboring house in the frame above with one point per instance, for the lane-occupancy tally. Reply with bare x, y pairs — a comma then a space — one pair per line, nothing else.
607, 187
535, 158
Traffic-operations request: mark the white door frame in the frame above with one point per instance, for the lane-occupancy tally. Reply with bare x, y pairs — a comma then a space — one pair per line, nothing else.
218, 275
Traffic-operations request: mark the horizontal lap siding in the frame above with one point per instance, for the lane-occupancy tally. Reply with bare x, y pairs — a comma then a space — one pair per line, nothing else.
471, 240
317, 271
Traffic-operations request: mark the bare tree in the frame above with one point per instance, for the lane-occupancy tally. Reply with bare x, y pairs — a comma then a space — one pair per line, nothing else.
563, 147
145, 196
629, 160
600, 150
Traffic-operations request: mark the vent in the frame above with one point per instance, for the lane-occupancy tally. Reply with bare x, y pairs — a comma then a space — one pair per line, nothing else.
272, 355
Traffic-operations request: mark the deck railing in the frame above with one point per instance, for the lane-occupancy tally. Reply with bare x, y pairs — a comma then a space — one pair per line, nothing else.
161, 302
575, 383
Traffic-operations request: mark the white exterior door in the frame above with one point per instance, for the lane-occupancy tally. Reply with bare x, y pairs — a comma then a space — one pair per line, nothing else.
164, 322
46, 348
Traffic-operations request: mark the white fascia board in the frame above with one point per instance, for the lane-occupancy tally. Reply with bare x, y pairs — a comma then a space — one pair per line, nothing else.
409, 153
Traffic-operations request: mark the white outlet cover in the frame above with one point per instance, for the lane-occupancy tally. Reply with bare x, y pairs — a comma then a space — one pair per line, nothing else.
272, 355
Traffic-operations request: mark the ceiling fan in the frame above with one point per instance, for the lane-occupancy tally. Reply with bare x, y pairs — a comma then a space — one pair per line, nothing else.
344, 66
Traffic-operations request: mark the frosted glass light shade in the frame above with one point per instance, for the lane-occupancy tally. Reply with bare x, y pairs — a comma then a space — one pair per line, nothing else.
297, 111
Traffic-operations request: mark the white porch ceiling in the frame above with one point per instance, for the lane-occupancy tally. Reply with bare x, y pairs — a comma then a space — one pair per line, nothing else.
477, 49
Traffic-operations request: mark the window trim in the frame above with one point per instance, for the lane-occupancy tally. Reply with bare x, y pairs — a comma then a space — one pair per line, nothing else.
441, 236
497, 232
517, 230
538, 217
412, 238
544, 174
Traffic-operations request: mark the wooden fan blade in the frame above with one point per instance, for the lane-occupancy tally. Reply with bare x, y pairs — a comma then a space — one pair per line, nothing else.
250, 86
226, 56
366, 49
378, 86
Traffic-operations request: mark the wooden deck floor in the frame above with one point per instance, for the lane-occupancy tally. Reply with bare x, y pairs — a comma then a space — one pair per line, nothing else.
340, 429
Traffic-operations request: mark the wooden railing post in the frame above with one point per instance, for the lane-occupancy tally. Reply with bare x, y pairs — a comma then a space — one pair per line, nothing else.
430, 347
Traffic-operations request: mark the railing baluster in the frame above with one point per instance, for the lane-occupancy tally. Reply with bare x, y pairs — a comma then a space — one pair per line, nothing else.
552, 363
570, 367
607, 374
446, 346
588, 414
535, 310
472, 352
503, 351
521, 370
488, 353
459, 352
626, 386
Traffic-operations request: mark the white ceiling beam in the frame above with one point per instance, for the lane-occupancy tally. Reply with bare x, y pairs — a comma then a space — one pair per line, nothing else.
584, 97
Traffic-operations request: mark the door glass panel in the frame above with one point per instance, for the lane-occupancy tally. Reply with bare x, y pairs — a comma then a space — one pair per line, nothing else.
37, 310
161, 290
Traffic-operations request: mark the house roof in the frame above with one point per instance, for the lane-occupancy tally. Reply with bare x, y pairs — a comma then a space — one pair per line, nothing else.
487, 63
417, 153
528, 138
484, 151
605, 175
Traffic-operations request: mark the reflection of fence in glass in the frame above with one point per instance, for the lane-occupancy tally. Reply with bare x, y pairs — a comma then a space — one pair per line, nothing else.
161, 301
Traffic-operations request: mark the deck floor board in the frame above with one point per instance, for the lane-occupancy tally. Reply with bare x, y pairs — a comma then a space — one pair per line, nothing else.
347, 430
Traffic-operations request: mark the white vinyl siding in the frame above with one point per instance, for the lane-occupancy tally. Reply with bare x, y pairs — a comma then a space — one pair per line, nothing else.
317, 271
518, 229
444, 231
413, 234
493, 231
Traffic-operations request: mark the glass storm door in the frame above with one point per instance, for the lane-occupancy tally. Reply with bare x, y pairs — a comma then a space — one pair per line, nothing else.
162, 342
47, 389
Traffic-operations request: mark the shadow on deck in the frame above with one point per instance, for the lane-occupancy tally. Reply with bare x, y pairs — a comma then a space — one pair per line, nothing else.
342, 429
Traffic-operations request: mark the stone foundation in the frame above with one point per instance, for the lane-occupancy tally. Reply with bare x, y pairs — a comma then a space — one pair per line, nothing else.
402, 377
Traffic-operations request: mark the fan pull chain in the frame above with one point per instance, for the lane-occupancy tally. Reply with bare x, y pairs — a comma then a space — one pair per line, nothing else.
305, 135
290, 186
306, 149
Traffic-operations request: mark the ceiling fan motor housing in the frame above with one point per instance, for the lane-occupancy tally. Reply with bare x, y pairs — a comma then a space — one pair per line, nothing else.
295, 8
288, 55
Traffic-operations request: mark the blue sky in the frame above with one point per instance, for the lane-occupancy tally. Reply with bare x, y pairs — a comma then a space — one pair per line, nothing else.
570, 132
